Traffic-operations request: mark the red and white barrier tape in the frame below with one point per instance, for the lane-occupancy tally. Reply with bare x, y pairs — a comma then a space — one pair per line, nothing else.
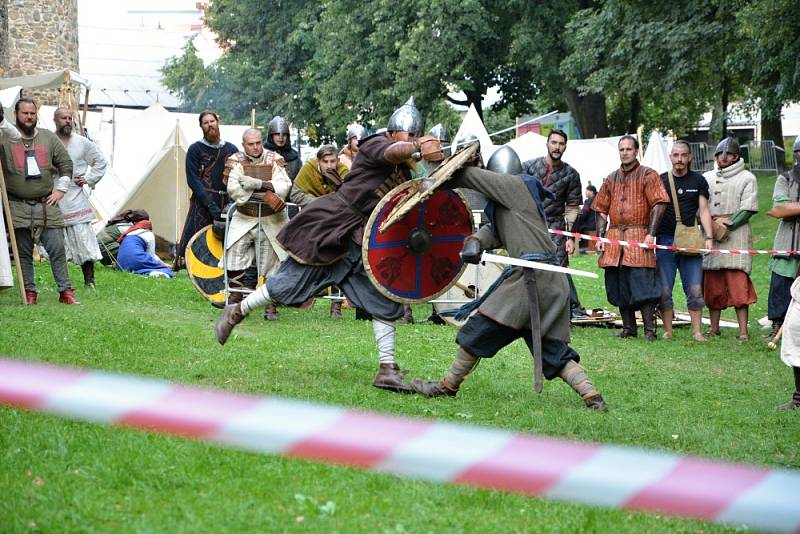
672, 247
600, 475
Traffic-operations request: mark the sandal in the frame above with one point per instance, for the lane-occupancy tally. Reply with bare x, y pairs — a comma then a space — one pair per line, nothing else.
743, 337
711, 333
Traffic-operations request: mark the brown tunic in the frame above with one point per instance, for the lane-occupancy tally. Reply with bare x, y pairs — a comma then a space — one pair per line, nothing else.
627, 198
319, 234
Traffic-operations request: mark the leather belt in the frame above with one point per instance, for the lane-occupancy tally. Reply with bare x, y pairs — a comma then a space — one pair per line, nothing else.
255, 209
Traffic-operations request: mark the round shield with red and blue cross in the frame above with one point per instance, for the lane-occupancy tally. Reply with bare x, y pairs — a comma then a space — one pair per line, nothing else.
417, 258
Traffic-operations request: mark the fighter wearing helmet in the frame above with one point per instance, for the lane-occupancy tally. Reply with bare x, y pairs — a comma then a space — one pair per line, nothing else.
324, 242
279, 140
528, 304
355, 133
733, 197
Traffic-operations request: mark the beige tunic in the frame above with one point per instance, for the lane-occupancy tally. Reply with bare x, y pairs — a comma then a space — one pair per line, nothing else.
790, 340
730, 190
240, 189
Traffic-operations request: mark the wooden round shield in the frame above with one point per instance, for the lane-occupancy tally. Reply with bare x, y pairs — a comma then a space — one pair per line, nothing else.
417, 258
203, 253
472, 284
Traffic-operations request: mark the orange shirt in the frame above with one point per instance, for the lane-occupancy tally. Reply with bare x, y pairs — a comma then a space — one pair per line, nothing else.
627, 198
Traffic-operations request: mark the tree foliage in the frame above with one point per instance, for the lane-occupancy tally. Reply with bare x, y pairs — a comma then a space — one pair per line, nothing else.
615, 64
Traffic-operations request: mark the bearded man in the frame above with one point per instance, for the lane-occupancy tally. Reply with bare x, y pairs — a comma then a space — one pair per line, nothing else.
633, 200
324, 242
259, 185
562, 208
37, 170
89, 166
205, 164
734, 199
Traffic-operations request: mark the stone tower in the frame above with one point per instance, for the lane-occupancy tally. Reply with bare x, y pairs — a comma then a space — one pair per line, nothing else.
38, 36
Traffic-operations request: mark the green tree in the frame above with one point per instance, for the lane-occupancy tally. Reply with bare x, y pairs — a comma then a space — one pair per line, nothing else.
771, 30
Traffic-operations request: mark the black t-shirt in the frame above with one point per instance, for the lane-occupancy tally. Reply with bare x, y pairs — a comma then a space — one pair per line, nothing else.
689, 189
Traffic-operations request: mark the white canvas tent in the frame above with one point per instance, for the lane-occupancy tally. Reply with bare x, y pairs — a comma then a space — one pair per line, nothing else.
159, 187
147, 152
657, 154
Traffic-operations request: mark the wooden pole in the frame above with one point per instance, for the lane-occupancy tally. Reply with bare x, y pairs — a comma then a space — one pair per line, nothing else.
252, 117
85, 110
12, 237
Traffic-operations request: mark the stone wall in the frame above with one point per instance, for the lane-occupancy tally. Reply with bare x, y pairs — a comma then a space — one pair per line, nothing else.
38, 36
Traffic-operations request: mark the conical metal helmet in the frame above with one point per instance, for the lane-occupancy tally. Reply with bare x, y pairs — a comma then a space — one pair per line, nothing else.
406, 118
440, 132
278, 125
463, 141
357, 131
729, 145
505, 161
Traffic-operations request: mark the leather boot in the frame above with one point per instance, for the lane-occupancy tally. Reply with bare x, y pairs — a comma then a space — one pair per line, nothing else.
577, 378
463, 364
390, 378
230, 317
270, 312
67, 297
795, 402
408, 316
629, 328
336, 309
88, 274
650, 322
432, 388
30, 296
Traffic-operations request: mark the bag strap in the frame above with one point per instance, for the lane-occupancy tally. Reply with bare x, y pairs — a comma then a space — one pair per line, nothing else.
674, 198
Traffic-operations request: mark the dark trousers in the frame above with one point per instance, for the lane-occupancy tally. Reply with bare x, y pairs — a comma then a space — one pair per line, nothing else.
630, 287
779, 297
484, 337
53, 241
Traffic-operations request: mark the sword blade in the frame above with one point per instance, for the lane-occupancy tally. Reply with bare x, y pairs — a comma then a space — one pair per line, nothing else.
506, 260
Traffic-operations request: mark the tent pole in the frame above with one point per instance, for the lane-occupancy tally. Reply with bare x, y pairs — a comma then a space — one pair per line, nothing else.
85, 110
12, 237
175, 151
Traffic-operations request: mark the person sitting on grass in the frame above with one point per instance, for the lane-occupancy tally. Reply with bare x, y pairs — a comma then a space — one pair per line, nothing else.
137, 250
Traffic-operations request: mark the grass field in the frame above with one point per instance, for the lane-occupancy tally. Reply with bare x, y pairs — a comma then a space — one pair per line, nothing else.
713, 400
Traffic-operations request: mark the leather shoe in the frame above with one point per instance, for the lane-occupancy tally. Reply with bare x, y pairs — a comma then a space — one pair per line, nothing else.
270, 313
432, 388
390, 378
596, 403
230, 317
792, 404
30, 296
67, 297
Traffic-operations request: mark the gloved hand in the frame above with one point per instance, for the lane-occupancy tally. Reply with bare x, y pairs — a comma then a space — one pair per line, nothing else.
430, 148
273, 201
214, 210
471, 250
